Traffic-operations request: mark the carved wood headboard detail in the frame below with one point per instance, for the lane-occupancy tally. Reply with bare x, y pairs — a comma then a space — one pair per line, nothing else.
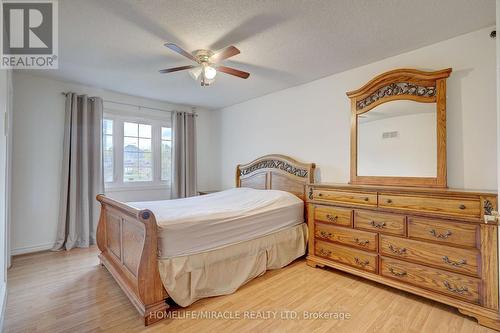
276, 172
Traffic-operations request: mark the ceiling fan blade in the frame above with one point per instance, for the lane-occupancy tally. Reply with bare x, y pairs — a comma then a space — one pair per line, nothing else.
175, 69
228, 52
179, 50
232, 71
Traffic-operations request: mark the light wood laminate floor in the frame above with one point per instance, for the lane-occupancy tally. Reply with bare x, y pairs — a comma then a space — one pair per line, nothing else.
71, 292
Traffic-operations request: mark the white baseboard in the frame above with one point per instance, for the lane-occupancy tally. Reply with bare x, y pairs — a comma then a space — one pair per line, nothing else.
30, 249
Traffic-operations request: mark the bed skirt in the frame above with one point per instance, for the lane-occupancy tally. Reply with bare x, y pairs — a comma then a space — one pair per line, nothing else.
222, 271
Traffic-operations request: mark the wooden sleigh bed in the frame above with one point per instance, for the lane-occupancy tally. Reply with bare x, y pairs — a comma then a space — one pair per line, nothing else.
128, 238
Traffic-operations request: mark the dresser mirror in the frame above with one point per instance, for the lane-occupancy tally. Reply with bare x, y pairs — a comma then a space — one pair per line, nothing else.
398, 133
398, 139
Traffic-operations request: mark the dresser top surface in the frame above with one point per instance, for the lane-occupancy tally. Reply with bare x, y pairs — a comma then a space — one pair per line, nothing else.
405, 189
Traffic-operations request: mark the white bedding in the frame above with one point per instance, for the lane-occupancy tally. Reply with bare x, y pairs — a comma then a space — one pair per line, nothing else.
197, 224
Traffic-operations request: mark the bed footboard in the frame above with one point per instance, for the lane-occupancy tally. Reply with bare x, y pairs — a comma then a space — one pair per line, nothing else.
127, 239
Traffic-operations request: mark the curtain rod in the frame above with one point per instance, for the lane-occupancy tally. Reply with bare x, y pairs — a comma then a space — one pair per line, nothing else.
139, 106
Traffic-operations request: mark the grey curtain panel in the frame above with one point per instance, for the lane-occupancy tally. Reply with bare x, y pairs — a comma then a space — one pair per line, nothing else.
82, 172
183, 155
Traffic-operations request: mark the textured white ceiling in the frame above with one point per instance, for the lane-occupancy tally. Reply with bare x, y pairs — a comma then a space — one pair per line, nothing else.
118, 44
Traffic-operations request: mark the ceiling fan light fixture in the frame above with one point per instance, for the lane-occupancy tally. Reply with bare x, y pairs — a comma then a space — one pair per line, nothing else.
195, 73
207, 64
206, 82
209, 72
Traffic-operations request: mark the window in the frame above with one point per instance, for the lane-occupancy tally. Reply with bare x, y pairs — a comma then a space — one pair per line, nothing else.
136, 151
107, 130
166, 153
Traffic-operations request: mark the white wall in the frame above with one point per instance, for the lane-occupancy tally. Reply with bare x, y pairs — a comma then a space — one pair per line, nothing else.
498, 102
413, 153
10, 135
5, 77
498, 111
311, 122
37, 156
498, 99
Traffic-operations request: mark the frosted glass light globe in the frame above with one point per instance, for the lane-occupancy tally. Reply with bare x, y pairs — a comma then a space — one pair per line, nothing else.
209, 72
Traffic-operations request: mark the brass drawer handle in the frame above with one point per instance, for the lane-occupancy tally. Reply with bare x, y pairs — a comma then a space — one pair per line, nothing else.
462, 207
399, 251
331, 218
325, 234
461, 290
361, 242
389, 201
320, 194
454, 263
360, 262
325, 253
366, 199
399, 274
378, 225
441, 236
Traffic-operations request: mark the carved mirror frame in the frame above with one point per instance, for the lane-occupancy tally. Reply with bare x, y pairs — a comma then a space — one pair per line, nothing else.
402, 84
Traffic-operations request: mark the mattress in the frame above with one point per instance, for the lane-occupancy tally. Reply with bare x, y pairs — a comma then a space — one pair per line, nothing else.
197, 224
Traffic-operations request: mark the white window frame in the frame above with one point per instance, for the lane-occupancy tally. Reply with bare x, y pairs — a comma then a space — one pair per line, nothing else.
161, 142
157, 122
112, 142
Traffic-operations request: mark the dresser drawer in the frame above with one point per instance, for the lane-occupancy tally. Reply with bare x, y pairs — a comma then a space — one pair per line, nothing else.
447, 206
346, 197
453, 259
345, 255
360, 239
334, 215
451, 284
446, 232
382, 222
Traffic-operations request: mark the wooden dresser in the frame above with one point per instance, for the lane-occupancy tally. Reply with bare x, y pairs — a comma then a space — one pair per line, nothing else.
430, 242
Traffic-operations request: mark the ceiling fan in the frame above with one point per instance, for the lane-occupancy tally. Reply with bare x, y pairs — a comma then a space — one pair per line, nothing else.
207, 64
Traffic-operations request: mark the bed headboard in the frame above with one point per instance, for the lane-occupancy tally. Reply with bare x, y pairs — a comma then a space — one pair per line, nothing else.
276, 172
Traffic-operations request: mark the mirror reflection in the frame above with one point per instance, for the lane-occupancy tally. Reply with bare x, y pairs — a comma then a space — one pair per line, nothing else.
398, 139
